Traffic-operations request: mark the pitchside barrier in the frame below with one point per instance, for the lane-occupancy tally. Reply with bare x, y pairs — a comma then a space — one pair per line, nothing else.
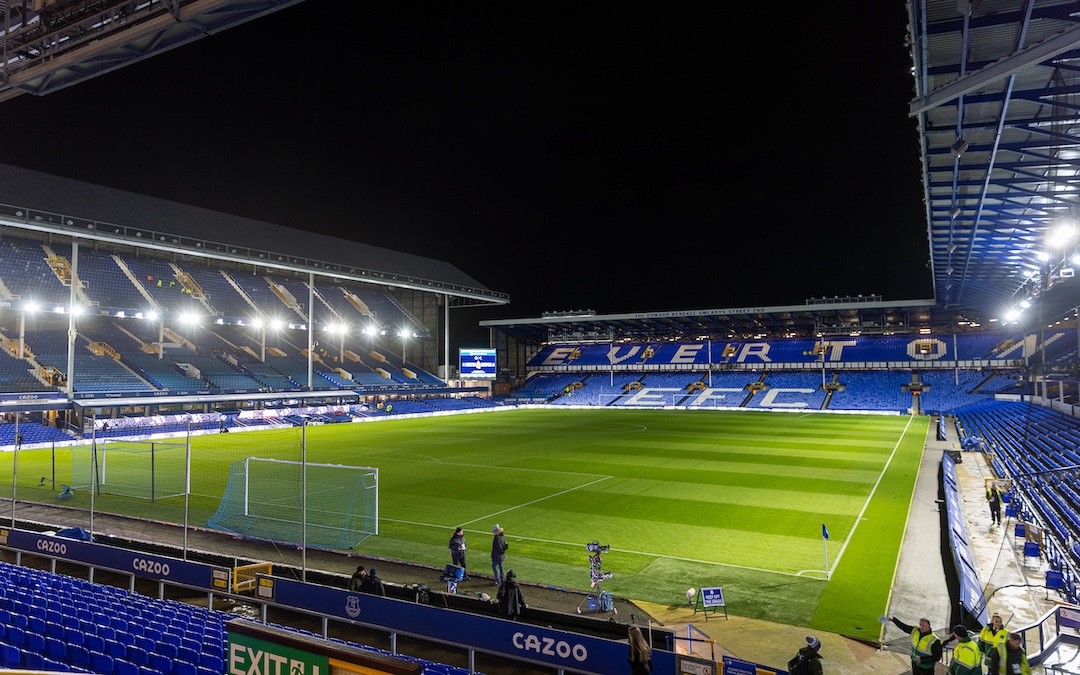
517, 640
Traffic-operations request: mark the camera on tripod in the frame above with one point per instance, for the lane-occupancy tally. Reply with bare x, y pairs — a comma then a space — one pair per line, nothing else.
595, 547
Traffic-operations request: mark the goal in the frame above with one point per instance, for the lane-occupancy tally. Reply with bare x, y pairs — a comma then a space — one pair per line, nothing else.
142, 469
330, 505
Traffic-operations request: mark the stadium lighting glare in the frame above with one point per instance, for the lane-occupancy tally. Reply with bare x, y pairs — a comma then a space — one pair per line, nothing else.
1012, 315
189, 318
1060, 236
59, 309
30, 307
369, 330
121, 314
1042, 255
276, 324
1024, 304
77, 310
151, 316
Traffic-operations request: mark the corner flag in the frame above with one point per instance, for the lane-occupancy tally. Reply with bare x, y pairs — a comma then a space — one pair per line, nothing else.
824, 531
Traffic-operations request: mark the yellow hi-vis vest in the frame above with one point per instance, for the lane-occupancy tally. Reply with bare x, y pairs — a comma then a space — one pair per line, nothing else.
965, 659
989, 640
920, 646
1003, 656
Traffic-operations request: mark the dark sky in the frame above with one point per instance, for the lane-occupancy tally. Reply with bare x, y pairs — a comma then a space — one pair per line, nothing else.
677, 158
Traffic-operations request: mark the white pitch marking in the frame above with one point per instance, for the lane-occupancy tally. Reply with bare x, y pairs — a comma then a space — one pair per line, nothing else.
859, 518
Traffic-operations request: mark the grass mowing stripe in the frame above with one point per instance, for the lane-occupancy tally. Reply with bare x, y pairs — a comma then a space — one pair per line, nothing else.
870, 497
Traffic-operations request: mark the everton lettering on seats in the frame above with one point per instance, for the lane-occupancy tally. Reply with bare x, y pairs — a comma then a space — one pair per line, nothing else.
893, 349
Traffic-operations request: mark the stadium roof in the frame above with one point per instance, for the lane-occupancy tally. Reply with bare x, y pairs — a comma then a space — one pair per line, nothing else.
33, 200
47, 45
997, 93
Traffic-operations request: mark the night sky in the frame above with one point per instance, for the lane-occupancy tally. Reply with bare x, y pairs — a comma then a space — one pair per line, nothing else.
689, 157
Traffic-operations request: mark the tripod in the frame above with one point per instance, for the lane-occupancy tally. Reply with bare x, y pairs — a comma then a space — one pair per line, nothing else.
597, 577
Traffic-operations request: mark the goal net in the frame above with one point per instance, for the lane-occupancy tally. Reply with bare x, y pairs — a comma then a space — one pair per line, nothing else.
141, 469
329, 505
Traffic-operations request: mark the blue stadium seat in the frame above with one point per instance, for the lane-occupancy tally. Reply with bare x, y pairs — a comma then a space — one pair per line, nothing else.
172, 639
74, 636
33, 661
137, 655
187, 654
124, 667
145, 643
78, 656
34, 642
55, 648
10, 655
214, 663
115, 649
55, 629
181, 667
94, 643
101, 663
166, 648
160, 662
15, 636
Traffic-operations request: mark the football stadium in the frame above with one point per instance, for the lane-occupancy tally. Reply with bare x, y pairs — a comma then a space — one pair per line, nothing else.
210, 422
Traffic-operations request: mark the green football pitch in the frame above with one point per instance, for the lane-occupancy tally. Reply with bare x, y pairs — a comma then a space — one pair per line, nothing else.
685, 499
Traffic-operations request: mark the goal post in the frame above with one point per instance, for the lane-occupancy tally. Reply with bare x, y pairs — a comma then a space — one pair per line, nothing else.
142, 469
330, 505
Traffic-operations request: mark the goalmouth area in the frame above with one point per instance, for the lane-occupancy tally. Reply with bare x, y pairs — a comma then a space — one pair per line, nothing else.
684, 498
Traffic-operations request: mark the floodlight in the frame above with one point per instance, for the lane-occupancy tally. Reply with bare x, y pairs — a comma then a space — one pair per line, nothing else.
960, 147
955, 211
1061, 235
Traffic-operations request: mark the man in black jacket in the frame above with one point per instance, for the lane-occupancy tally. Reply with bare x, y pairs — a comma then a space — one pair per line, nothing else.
373, 584
498, 553
457, 549
511, 600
